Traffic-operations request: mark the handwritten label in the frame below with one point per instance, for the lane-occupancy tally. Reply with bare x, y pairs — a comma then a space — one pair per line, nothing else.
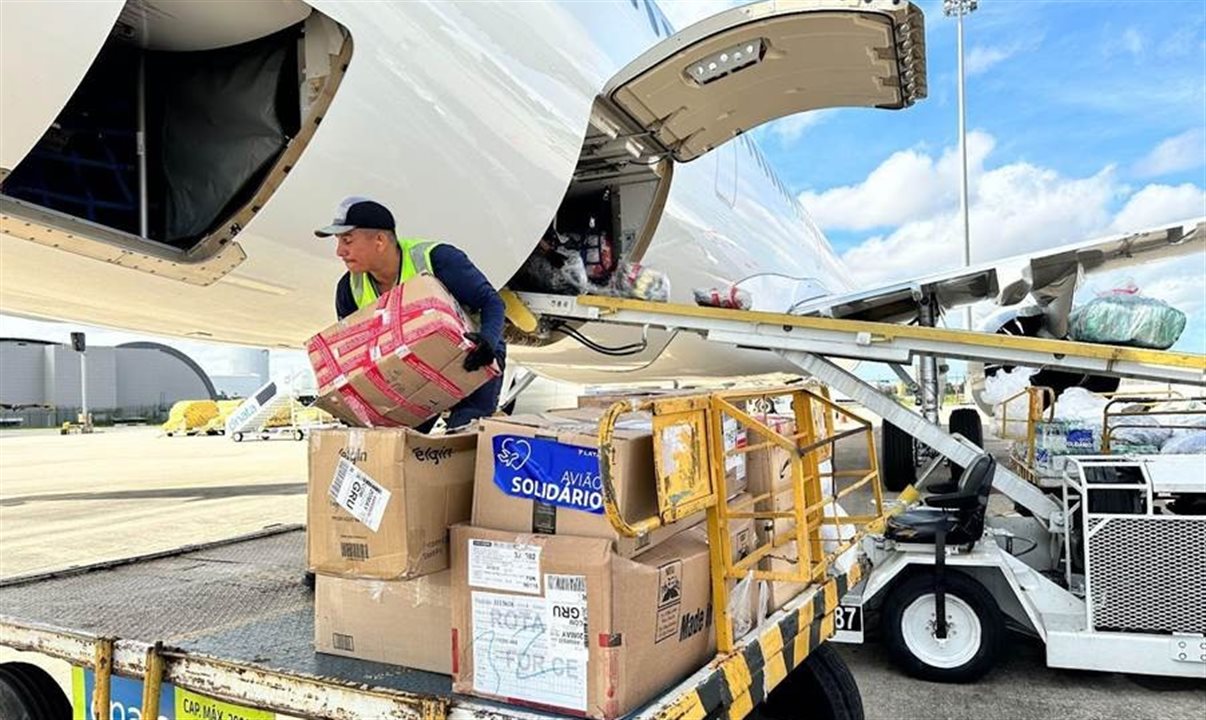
512, 657
548, 471
495, 565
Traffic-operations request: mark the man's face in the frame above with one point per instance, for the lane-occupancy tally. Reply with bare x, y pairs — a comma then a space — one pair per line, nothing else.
358, 249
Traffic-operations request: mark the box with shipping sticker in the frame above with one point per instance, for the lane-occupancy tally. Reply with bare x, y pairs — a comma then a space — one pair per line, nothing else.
381, 501
563, 623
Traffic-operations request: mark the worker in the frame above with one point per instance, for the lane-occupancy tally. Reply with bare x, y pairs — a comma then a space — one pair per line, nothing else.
377, 260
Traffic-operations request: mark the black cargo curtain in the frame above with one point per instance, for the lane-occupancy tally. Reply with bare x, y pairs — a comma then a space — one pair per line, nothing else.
216, 122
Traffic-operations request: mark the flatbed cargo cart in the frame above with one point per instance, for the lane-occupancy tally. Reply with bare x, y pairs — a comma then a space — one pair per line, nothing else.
227, 628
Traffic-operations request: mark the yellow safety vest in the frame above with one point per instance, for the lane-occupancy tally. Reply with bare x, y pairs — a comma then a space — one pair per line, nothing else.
416, 260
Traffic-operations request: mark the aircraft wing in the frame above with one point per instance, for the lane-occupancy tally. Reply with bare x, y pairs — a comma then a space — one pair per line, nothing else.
1045, 276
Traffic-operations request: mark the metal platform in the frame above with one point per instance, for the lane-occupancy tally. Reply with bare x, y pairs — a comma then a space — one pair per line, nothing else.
234, 620
243, 601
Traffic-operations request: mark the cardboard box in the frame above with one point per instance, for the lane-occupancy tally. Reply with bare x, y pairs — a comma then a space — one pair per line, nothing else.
400, 622
540, 474
563, 623
398, 492
398, 362
786, 557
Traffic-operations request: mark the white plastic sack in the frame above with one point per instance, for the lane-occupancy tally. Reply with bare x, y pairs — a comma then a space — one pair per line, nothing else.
1001, 387
1191, 442
833, 536
1080, 405
741, 604
1138, 430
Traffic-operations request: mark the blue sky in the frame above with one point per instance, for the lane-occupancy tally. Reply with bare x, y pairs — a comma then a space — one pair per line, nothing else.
1085, 117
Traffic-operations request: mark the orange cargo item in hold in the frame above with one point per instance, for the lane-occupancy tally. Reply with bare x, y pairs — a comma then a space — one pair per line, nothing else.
398, 362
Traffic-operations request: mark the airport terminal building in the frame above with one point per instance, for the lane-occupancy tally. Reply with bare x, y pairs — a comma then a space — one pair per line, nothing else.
40, 382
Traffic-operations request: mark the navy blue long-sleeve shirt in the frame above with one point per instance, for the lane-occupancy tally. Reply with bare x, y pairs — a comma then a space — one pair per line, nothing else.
464, 281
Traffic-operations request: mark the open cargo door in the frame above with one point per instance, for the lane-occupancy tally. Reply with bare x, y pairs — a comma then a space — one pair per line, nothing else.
730, 73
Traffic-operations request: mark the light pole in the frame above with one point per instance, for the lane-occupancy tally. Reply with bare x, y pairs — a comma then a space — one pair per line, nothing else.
959, 8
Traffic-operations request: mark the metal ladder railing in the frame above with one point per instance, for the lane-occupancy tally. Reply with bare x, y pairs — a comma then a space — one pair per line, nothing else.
691, 457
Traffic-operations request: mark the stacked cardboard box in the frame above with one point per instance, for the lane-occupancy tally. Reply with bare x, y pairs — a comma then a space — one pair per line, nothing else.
380, 504
553, 608
540, 474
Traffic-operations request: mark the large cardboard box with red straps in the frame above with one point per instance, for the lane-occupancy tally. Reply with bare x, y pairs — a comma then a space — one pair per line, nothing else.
398, 362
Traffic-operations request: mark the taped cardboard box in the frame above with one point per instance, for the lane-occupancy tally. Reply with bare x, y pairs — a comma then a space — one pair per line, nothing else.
380, 501
540, 474
563, 623
398, 362
786, 557
399, 622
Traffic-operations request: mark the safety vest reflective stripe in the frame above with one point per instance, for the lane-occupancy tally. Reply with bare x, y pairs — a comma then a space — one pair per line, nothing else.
416, 260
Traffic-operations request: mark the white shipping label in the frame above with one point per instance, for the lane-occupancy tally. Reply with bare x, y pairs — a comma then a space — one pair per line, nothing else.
512, 657
507, 566
734, 438
354, 491
565, 615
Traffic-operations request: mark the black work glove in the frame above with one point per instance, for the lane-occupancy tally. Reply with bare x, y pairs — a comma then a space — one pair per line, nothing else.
481, 355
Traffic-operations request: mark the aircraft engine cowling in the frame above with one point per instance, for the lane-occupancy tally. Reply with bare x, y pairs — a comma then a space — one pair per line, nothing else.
1029, 321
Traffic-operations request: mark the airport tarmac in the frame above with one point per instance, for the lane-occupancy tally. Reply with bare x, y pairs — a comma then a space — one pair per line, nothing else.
70, 500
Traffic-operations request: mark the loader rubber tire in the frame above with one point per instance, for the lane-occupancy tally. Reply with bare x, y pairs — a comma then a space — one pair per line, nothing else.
966, 422
899, 468
977, 629
28, 692
821, 687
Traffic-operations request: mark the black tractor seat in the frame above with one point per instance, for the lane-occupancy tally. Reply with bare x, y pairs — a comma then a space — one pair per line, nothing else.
955, 518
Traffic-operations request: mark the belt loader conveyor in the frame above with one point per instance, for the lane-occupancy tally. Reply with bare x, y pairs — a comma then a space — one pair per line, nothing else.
1112, 611
809, 342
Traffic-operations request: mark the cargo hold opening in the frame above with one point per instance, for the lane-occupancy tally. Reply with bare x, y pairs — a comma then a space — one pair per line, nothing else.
185, 123
608, 215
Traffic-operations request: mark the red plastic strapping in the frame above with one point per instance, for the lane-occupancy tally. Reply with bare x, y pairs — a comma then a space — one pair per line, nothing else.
378, 380
434, 376
362, 410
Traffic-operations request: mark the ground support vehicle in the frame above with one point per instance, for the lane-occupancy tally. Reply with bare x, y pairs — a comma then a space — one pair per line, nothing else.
272, 412
227, 628
1045, 589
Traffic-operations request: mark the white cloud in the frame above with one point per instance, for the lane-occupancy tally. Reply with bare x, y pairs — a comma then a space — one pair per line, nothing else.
791, 128
908, 185
980, 59
1155, 204
682, 13
1181, 152
1133, 41
1015, 208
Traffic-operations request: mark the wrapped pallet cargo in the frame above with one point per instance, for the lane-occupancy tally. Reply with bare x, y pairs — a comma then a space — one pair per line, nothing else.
1124, 317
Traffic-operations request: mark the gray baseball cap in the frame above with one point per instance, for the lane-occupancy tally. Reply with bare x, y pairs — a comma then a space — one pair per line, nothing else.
358, 212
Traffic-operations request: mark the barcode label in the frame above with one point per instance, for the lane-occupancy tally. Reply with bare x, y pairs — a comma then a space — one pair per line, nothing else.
354, 551
565, 616
353, 490
341, 474
568, 583
343, 642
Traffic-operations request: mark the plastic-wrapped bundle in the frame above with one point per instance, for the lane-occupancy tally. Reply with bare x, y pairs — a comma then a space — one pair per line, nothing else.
1138, 430
1127, 318
553, 270
635, 280
1186, 443
732, 297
